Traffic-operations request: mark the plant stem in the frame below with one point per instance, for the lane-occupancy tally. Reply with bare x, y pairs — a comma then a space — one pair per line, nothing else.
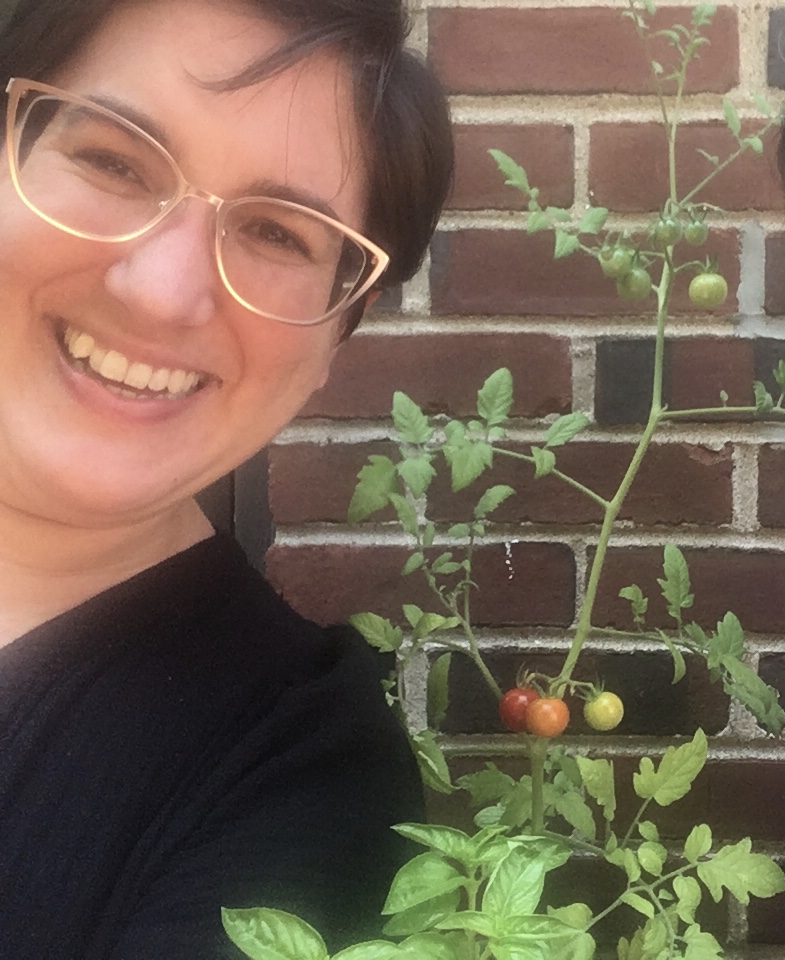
635, 822
538, 750
708, 411
557, 473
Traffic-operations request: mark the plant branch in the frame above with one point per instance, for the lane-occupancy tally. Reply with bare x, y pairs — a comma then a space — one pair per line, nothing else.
558, 474
709, 411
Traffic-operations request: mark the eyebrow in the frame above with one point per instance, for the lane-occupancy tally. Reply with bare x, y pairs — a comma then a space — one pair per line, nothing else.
257, 188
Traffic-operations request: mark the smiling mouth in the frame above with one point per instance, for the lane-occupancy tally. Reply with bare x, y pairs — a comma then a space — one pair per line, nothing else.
123, 376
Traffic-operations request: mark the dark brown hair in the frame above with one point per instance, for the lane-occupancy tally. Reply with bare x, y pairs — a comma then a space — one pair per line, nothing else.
399, 101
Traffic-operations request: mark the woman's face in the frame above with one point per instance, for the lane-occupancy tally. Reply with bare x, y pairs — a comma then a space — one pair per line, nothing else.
71, 447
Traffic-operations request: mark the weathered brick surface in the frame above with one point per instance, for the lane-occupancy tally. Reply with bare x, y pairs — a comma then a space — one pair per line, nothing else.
775, 274
330, 582
547, 152
443, 373
748, 583
628, 170
678, 484
481, 271
574, 51
771, 486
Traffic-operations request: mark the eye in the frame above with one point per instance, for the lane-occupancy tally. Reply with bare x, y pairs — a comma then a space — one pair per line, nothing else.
273, 235
107, 164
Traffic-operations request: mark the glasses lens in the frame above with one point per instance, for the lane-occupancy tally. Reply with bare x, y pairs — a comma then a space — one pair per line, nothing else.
88, 171
287, 262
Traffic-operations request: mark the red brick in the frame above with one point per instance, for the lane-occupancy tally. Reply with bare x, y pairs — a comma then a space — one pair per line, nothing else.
508, 272
701, 369
677, 484
771, 486
546, 152
747, 583
775, 275
328, 583
443, 373
525, 51
628, 167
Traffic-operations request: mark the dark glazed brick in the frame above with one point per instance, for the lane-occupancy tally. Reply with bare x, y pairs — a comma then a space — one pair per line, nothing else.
390, 299
772, 669
443, 374
774, 303
748, 583
771, 486
776, 52
766, 919
528, 584
545, 151
624, 381
525, 51
768, 354
653, 704
746, 799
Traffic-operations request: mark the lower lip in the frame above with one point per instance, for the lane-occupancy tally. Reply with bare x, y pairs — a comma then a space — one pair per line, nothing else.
90, 393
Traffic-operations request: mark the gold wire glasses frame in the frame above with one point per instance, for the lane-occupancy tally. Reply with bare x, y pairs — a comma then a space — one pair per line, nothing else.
290, 261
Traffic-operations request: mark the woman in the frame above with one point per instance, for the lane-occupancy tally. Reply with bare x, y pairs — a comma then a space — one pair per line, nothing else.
198, 201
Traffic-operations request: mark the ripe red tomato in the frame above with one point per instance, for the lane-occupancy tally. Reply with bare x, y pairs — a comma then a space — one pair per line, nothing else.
547, 717
514, 706
604, 712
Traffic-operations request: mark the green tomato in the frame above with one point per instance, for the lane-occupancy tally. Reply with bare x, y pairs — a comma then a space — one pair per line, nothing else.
696, 232
666, 233
708, 291
604, 712
635, 285
617, 263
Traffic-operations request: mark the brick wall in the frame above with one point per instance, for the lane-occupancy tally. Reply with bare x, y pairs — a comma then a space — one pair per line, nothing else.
559, 85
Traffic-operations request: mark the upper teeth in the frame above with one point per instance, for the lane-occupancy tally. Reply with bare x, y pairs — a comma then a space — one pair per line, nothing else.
112, 365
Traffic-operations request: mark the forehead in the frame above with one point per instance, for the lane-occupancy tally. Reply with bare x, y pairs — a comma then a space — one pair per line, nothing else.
164, 59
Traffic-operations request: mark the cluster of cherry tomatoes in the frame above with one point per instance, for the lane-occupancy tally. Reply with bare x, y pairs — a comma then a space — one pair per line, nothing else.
525, 710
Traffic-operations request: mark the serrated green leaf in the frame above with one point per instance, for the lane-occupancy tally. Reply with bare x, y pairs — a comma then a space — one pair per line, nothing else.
565, 244
488, 785
376, 481
413, 613
538, 221
593, 220
742, 873
688, 897
676, 585
421, 879
652, 856
516, 175
495, 396
468, 461
264, 934
742, 683
565, 428
646, 907
417, 473
378, 632
676, 772
698, 843
576, 812
703, 14
701, 945
439, 689
727, 641
410, 422
679, 664
731, 116
639, 603
433, 767
544, 462
415, 562
428, 623
763, 399
598, 779
407, 515
491, 500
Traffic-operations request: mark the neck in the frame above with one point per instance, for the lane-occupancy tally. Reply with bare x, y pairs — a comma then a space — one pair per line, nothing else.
47, 567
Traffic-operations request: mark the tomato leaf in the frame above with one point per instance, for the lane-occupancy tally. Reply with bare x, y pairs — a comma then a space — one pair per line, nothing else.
438, 689
742, 873
417, 473
763, 399
652, 856
646, 907
593, 220
376, 481
676, 585
679, 664
731, 116
378, 632
565, 244
544, 462
415, 562
639, 603
703, 14
565, 428
487, 786
676, 772
698, 843
491, 500
755, 694
577, 813
688, 897
516, 175
538, 221
494, 398
701, 945
407, 514
468, 460
727, 641
264, 934
598, 779
433, 767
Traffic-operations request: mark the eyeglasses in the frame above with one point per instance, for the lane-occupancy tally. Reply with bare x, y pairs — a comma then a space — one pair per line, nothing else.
94, 174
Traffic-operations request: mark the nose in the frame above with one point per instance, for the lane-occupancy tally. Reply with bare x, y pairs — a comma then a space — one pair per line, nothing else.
169, 274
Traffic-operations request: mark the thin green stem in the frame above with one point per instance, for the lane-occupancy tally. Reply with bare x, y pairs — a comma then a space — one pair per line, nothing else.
709, 411
558, 474
538, 750
575, 843
635, 822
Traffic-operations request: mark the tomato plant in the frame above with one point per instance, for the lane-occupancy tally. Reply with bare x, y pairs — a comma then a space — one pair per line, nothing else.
547, 717
514, 705
616, 262
604, 711
635, 285
666, 232
696, 233
708, 290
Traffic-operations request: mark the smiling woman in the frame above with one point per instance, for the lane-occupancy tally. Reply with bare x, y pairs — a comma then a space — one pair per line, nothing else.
198, 202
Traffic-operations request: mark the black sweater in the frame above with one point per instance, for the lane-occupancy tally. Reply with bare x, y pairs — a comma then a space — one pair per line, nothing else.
185, 741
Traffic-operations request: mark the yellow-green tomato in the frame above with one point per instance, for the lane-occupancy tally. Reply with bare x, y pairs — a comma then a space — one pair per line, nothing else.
616, 262
696, 233
708, 291
635, 285
666, 232
604, 712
